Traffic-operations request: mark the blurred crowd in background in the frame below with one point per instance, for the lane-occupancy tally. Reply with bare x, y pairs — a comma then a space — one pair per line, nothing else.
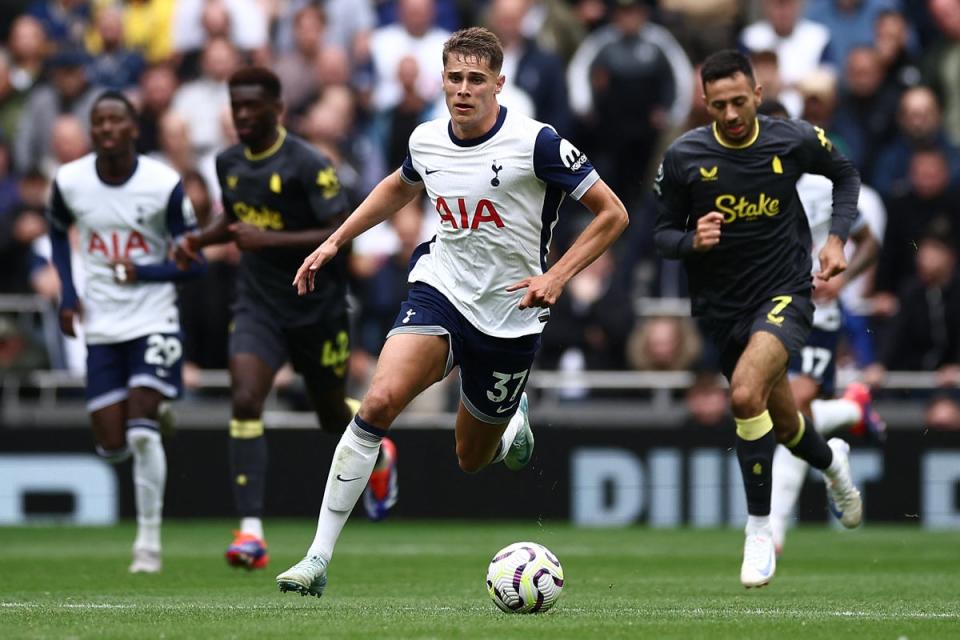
616, 77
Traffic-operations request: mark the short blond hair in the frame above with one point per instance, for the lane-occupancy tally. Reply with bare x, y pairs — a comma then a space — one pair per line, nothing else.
475, 42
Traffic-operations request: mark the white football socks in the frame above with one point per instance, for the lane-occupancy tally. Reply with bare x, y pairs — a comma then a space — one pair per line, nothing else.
352, 465
149, 480
253, 526
830, 415
789, 472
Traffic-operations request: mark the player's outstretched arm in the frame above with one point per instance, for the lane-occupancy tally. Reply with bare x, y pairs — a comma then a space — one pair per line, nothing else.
610, 219
388, 197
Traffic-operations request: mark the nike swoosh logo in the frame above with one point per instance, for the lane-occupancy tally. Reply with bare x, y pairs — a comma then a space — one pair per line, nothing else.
767, 569
342, 479
505, 409
429, 171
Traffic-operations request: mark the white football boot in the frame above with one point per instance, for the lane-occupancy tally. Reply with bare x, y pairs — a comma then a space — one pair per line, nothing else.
759, 558
520, 452
308, 577
842, 496
146, 561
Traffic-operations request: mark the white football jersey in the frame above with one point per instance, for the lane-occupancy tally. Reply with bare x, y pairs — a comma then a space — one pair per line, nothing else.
497, 200
816, 195
129, 220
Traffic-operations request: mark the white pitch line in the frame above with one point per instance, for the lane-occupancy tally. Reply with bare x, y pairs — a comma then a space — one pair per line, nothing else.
697, 612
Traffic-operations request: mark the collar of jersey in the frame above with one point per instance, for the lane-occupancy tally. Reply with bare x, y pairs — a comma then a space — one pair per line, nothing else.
133, 170
742, 145
272, 149
472, 142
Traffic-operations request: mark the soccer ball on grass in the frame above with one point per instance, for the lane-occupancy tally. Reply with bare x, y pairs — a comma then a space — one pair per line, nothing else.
524, 577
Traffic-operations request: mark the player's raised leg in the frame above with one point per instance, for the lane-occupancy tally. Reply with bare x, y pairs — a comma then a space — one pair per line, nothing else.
804, 441
408, 364
149, 475
762, 362
251, 379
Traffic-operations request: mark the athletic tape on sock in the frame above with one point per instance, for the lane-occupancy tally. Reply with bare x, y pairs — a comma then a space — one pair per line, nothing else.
754, 428
795, 440
246, 429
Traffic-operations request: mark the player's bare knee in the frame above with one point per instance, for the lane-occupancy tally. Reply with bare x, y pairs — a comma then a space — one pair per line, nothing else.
470, 462
381, 406
247, 405
746, 401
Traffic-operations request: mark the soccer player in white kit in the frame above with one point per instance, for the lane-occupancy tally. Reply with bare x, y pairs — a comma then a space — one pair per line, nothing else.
127, 209
481, 290
813, 370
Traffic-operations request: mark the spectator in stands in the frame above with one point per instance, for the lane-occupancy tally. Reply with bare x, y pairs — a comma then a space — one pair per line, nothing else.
203, 100
708, 404
11, 99
891, 40
158, 84
349, 25
114, 66
64, 21
174, 140
942, 413
330, 69
766, 68
242, 23
330, 127
68, 92
296, 68
68, 142
21, 222
589, 325
929, 197
703, 26
395, 125
18, 230
629, 82
798, 42
850, 22
866, 110
19, 226
148, 28
538, 72
940, 64
28, 48
415, 35
920, 125
9, 192
665, 343
18, 353
925, 335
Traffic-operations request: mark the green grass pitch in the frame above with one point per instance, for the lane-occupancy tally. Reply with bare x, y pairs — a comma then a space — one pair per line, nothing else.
426, 580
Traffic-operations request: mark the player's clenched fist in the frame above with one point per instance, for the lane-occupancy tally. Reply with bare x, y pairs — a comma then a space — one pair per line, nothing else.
186, 250
708, 231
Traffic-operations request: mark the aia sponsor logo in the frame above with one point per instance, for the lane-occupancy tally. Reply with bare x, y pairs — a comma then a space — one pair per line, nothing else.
483, 212
117, 245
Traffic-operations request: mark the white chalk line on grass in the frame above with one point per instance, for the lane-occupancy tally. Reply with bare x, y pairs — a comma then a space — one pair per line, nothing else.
695, 613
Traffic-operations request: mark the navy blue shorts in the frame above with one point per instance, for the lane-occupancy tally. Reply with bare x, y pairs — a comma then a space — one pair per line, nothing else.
788, 317
319, 352
153, 361
817, 360
493, 371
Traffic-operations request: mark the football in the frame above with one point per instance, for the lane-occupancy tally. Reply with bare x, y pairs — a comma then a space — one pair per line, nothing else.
524, 577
